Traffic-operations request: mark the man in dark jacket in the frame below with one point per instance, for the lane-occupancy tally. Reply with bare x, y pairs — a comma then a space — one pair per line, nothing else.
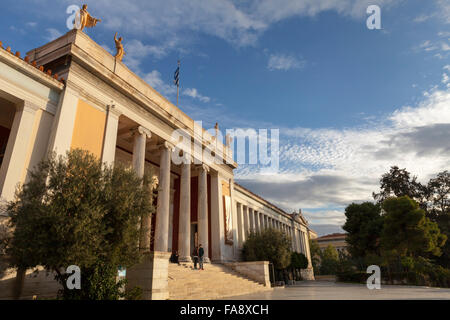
195, 257
201, 253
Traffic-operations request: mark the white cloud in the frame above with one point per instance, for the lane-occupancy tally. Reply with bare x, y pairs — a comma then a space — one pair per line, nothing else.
444, 10
284, 62
136, 51
154, 80
330, 168
52, 34
193, 93
445, 79
238, 22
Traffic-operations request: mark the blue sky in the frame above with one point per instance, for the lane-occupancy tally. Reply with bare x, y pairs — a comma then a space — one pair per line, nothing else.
349, 102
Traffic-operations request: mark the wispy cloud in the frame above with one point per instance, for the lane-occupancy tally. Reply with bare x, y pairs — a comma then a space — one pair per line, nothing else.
193, 93
284, 62
52, 34
330, 168
154, 80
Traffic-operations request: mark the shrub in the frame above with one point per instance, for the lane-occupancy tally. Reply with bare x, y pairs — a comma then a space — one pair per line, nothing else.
298, 261
268, 245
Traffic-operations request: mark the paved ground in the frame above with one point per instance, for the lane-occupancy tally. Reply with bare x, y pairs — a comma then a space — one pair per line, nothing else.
325, 290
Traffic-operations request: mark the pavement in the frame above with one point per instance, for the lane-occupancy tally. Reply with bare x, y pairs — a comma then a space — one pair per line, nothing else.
327, 290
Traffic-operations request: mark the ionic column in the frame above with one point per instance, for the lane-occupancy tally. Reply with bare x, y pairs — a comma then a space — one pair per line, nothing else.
16, 150
140, 140
184, 234
246, 222
308, 251
300, 236
110, 141
294, 241
162, 209
257, 222
172, 198
261, 221
203, 210
240, 224
252, 220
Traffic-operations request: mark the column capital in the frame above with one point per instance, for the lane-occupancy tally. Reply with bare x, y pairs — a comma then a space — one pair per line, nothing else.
142, 131
202, 167
166, 145
112, 110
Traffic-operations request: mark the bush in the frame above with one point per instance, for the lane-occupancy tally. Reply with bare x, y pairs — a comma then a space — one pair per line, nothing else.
298, 261
352, 276
268, 245
329, 261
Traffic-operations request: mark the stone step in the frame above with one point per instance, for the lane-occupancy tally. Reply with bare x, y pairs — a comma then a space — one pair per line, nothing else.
216, 281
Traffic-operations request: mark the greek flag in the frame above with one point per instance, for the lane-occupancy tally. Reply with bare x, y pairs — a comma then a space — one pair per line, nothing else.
176, 80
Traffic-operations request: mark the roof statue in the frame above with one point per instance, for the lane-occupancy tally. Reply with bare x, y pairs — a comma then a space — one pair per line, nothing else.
85, 19
119, 46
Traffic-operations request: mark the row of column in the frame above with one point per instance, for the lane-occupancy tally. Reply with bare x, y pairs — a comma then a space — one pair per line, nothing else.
250, 220
162, 232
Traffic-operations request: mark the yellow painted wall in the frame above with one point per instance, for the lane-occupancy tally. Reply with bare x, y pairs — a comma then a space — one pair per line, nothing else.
89, 129
226, 189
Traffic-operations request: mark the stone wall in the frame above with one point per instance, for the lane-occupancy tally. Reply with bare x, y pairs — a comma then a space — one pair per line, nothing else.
151, 275
256, 270
307, 274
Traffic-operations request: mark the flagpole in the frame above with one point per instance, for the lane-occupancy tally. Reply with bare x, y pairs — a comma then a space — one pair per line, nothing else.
178, 84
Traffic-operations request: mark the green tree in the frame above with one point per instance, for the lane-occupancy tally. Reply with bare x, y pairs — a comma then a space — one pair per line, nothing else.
408, 231
298, 261
76, 211
363, 225
439, 194
329, 261
398, 182
268, 245
314, 249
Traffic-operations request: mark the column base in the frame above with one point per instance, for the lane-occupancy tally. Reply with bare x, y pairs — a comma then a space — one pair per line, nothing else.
187, 259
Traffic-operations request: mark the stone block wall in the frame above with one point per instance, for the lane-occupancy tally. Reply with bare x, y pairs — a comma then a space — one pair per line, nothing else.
307, 274
151, 275
255, 270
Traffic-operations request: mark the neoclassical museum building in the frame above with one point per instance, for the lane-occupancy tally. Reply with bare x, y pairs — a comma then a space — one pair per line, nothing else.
71, 93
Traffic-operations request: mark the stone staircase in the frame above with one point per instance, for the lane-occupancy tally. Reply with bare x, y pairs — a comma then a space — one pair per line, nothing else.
215, 282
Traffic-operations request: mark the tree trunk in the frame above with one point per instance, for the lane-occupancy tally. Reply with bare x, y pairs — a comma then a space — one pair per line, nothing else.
18, 283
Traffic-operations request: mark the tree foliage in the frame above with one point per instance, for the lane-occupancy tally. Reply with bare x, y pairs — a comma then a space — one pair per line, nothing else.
398, 182
298, 261
315, 252
407, 230
363, 226
75, 211
268, 245
329, 260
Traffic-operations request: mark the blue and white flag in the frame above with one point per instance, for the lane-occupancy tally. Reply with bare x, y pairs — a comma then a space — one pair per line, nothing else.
176, 80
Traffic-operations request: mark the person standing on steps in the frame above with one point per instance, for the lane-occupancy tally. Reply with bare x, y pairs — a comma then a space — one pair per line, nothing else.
195, 257
201, 253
